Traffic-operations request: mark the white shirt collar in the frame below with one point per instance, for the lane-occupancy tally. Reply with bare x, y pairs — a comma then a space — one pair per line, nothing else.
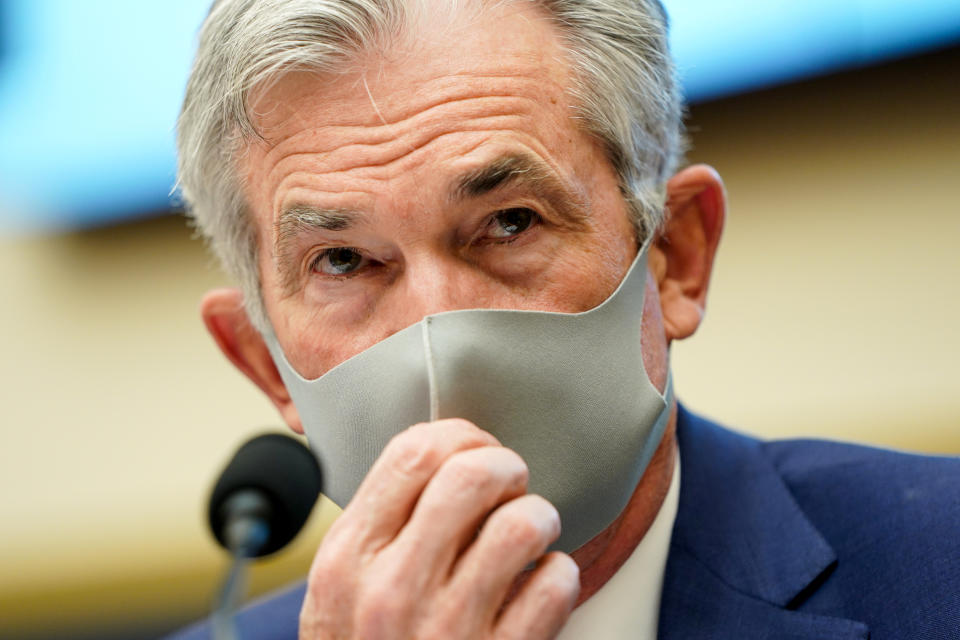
628, 605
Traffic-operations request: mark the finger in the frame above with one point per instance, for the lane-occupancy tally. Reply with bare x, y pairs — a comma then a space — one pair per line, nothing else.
513, 536
544, 603
457, 499
386, 497
400, 578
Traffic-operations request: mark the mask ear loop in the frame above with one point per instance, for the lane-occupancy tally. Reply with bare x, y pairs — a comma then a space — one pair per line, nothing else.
660, 426
667, 394
431, 373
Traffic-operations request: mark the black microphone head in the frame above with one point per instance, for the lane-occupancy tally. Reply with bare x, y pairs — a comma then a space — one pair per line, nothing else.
287, 475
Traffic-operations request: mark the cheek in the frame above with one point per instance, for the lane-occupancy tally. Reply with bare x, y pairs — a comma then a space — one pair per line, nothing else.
306, 344
312, 353
598, 268
315, 340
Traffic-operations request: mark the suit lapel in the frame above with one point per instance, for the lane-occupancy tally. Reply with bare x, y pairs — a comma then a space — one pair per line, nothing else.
698, 605
742, 552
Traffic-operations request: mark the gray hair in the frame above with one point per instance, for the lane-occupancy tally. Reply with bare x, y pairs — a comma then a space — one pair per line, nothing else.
625, 94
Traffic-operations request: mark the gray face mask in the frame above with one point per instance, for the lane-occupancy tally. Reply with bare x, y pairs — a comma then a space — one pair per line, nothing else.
568, 392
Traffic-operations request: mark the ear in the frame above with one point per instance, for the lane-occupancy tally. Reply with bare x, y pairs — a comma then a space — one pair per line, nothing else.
682, 256
226, 320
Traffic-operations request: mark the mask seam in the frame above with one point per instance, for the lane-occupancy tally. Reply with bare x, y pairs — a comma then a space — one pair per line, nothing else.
431, 373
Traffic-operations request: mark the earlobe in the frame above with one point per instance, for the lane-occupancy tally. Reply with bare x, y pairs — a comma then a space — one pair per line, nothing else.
686, 247
226, 320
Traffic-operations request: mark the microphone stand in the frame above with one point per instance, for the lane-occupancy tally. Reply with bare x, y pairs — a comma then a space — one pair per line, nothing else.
261, 500
246, 533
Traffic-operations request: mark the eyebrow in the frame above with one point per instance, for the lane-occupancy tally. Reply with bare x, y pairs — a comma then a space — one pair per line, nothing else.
297, 220
508, 170
498, 173
524, 170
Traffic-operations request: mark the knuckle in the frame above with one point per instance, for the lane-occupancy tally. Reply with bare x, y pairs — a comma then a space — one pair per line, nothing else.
560, 592
446, 617
411, 452
465, 430
339, 534
486, 468
564, 583
463, 476
341, 543
570, 566
468, 467
460, 424
381, 606
549, 514
520, 470
517, 527
328, 568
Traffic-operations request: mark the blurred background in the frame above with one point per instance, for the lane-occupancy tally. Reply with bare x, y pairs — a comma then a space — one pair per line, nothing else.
833, 311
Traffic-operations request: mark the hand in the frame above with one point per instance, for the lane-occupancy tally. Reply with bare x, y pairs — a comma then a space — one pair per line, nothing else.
406, 559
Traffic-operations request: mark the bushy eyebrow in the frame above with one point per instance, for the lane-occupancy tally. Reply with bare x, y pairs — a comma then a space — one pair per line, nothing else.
297, 220
528, 172
509, 170
499, 173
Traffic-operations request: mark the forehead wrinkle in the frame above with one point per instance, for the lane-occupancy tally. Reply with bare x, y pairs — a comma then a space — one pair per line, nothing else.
359, 153
468, 95
370, 165
351, 112
461, 87
421, 123
341, 116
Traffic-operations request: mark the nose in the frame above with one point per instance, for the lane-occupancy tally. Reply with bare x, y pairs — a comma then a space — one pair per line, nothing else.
433, 284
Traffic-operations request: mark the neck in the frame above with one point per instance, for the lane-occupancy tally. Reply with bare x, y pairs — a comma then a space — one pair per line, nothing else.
604, 554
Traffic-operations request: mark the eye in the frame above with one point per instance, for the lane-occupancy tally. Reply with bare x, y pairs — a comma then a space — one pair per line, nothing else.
512, 222
339, 261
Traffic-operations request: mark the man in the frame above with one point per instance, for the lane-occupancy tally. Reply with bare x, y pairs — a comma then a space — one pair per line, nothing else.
364, 167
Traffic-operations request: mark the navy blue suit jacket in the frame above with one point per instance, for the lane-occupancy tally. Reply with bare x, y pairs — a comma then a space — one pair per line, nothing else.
786, 540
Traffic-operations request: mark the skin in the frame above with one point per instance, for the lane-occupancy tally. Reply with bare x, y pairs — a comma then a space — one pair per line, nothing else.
389, 140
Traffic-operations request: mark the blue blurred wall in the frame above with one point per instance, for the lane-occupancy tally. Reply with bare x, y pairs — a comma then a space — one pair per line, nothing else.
89, 91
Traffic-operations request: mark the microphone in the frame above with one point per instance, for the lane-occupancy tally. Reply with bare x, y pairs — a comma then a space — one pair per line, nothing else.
264, 495
260, 502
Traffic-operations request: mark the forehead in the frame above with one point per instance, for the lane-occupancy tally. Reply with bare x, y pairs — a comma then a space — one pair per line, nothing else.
436, 59
449, 94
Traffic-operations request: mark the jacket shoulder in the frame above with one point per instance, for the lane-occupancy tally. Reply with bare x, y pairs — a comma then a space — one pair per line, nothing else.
893, 519
837, 478
275, 616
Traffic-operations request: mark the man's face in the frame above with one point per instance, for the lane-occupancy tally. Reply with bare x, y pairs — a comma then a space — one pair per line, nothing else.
446, 174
